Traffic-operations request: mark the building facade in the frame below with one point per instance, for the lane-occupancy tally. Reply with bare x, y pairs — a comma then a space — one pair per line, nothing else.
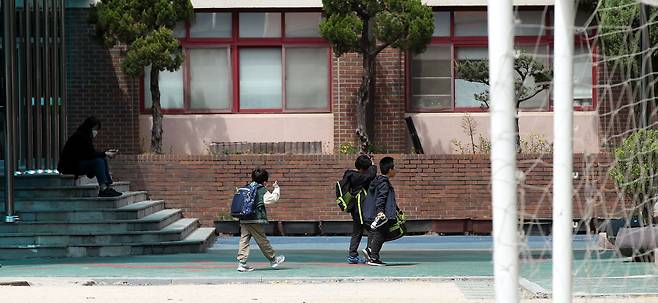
260, 72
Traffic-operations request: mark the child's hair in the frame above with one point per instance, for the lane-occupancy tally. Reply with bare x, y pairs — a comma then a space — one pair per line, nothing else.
386, 164
259, 175
362, 162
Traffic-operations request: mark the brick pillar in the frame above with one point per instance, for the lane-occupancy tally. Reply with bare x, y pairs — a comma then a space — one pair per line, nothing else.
390, 131
618, 116
97, 86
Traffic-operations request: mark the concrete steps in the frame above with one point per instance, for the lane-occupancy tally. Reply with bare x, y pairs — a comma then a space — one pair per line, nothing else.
129, 212
198, 241
77, 203
22, 192
176, 231
151, 222
61, 219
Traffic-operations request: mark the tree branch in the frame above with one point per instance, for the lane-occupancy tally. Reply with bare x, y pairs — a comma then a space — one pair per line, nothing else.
381, 47
531, 96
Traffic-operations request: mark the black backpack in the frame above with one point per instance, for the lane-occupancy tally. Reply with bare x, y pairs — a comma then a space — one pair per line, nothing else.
346, 196
243, 205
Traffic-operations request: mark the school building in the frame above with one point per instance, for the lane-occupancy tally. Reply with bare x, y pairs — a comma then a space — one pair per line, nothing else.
258, 78
258, 71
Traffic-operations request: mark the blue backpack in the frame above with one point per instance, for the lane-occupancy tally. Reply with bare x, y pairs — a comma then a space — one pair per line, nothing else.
243, 205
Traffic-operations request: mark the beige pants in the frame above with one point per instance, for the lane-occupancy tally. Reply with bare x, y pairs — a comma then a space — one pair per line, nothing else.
248, 230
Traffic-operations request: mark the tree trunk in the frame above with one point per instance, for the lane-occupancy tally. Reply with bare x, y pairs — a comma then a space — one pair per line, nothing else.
516, 132
156, 112
366, 93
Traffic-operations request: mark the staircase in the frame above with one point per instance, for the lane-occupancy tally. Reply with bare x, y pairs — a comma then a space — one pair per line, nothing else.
59, 219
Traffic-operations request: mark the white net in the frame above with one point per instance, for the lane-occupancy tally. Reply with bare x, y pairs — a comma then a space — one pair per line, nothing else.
616, 152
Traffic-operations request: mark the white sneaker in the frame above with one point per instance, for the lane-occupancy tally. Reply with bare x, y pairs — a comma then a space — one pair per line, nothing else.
277, 261
243, 267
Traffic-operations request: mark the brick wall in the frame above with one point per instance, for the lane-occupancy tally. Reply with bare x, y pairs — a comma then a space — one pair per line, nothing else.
97, 86
428, 186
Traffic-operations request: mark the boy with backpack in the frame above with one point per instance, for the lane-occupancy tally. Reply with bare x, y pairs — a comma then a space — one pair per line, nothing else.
380, 210
251, 224
354, 184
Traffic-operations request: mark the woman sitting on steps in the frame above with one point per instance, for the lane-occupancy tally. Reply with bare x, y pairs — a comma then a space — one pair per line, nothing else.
79, 157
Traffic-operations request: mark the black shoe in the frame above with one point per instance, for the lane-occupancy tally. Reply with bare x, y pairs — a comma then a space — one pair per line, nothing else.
109, 193
376, 263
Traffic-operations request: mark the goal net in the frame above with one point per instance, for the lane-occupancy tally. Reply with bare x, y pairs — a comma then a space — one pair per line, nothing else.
615, 141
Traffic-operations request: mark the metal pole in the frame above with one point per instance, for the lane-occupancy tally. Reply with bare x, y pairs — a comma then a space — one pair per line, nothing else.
503, 151
10, 113
563, 150
63, 120
47, 82
29, 92
646, 60
38, 95
56, 83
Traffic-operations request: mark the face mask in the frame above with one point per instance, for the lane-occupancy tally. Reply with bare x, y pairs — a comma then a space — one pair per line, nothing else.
94, 133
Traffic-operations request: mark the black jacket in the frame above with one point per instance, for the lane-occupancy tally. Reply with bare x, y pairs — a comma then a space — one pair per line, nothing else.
77, 148
358, 180
381, 198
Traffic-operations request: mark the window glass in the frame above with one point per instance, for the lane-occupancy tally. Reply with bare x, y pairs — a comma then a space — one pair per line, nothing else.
529, 23
441, 24
465, 91
303, 25
539, 54
582, 73
470, 23
260, 25
211, 25
210, 78
431, 79
307, 86
260, 78
171, 88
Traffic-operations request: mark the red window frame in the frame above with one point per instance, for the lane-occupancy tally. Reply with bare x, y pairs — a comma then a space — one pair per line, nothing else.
455, 42
234, 44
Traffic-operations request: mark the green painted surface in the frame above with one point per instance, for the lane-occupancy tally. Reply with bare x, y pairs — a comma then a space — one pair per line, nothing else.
596, 272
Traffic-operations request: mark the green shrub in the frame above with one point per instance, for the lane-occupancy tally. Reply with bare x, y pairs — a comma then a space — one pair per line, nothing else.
634, 171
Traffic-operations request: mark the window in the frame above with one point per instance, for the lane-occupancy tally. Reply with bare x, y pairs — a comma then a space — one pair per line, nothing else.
582, 73
171, 89
306, 77
303, 25
431, 79
465, 91
251, 62
210, 81
260, 25
539, 54
211, 25
530, 23
260, 78
471, 23
434, 84
441, 24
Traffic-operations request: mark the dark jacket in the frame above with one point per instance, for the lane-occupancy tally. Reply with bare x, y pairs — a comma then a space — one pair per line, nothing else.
260, 215
359, 181
381, 198
77, 148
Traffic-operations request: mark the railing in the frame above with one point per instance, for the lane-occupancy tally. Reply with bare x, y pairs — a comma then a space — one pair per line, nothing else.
34, 73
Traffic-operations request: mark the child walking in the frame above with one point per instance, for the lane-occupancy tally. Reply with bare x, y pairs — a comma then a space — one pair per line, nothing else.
253, 226
380, 205
359, 181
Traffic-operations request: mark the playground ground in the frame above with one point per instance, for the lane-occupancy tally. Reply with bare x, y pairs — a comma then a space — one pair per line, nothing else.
421, 269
